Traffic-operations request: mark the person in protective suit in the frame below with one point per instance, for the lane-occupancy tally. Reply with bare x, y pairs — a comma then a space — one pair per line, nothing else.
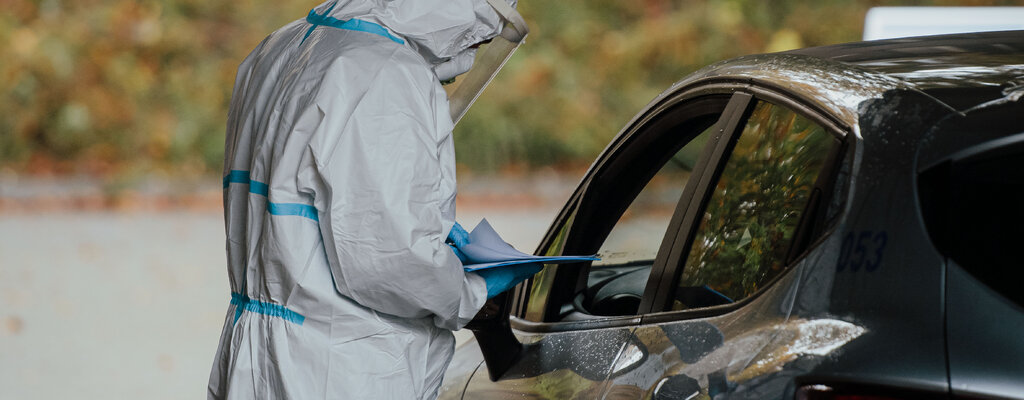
339, 194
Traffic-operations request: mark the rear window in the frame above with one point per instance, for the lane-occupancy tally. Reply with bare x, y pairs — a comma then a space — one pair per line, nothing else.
973, 206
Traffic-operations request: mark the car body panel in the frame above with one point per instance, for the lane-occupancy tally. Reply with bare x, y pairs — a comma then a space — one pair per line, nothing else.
834, 88
560, 365
962, 71
984, 331
747, 353
889, 278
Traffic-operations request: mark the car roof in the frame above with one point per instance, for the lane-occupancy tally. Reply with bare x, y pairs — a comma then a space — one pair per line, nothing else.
960, 70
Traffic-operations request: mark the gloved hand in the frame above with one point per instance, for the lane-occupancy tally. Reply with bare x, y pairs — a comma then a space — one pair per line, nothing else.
455, 66
458, 236
500, 279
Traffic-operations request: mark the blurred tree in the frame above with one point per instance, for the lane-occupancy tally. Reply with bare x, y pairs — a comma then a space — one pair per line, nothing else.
118, 86
106, 86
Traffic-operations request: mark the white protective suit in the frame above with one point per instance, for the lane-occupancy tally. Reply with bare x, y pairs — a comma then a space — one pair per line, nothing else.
339, 192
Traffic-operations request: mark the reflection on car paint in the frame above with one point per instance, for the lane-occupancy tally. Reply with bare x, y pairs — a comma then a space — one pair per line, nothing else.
631, 355
751, 353
957, 76
561, 366
838, 90
785, 342
695, 358
1011, 94
757, 353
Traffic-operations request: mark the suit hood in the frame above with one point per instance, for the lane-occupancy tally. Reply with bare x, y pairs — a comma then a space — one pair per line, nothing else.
437, 29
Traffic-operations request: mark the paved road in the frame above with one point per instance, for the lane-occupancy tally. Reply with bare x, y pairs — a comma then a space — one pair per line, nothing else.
103, 305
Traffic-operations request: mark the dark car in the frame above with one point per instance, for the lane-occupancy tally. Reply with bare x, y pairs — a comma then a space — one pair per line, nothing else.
839, 222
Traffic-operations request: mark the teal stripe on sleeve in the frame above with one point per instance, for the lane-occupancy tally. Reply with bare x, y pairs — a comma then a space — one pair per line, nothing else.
302, 210
236, 176
241, 302
262, 189
259, 188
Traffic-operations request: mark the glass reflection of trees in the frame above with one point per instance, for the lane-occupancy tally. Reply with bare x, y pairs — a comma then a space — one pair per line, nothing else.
755, 208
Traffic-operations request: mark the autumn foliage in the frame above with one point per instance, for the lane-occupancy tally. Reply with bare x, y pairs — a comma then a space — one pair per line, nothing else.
103, 87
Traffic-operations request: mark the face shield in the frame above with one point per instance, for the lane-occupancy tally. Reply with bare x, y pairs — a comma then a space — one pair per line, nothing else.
490, 57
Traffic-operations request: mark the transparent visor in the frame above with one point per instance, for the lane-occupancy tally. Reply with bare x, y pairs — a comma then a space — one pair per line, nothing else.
490, 57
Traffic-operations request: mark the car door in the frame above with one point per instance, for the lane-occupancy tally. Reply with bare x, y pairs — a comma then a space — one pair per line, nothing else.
576, 320
649, 319
724, 317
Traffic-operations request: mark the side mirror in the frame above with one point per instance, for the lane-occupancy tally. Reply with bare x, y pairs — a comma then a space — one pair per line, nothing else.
493, 333
507, 358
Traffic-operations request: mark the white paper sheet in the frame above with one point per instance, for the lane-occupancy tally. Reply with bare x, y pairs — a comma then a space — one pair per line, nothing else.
486, 249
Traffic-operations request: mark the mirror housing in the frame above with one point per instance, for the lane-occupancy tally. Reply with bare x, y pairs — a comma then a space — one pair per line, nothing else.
493, 333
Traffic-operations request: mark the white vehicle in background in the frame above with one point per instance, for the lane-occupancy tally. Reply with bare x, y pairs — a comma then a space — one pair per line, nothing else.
898, 22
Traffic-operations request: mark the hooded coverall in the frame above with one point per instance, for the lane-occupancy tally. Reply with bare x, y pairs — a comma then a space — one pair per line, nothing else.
339, 192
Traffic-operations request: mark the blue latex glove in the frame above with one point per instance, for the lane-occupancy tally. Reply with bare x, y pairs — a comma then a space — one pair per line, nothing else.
458, 236
500, 279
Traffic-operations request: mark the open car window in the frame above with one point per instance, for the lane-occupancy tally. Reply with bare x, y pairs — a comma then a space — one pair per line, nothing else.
615, 283
638, 232
703, 207
622, 214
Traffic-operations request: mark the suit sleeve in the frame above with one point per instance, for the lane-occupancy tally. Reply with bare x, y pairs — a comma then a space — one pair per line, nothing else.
380, 197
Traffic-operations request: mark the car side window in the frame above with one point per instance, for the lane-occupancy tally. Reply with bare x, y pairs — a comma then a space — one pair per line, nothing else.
638, 232
616, 282
622, 212
744, 236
